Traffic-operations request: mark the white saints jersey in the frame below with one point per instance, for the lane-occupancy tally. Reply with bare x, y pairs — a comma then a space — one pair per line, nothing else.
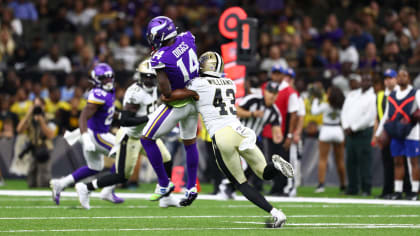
147, 102
216, 103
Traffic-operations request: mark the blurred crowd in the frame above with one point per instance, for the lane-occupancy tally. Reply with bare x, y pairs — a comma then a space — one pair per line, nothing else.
47, 47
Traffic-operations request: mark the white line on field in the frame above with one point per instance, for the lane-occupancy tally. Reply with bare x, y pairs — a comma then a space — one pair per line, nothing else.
213, 197
166, 217
308, 226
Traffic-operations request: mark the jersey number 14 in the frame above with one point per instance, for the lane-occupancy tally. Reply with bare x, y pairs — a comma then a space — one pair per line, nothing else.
220, 102
193, 62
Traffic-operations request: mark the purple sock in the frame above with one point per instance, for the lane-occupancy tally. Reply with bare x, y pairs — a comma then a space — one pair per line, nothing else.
113, 169
83, 172
155, 158
192, 164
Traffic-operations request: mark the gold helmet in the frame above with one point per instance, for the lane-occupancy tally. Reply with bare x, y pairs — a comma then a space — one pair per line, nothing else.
145, 75
211, 63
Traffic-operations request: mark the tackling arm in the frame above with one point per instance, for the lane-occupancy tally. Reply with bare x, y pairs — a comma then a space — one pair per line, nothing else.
129, 118
180, 94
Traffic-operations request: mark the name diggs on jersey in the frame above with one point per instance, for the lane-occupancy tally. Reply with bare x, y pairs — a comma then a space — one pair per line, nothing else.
183, 47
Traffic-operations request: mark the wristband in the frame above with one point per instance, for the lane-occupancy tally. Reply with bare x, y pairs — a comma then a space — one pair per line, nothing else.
289, 135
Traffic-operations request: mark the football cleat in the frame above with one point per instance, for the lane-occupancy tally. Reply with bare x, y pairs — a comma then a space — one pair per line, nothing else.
396, 196
161, 192
279, 218
190, 196
83, 193
169, 201
56, 190
412, 196
320, 188
108, 194
283, 166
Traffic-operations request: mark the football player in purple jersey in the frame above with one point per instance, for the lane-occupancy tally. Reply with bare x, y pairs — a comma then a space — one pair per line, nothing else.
175, 61
94, 124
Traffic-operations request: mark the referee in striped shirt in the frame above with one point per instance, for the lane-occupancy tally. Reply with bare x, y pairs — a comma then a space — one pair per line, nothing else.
256, 110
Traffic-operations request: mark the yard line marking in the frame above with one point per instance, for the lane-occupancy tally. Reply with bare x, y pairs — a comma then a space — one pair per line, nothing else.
213, 197
212, 216
310, 226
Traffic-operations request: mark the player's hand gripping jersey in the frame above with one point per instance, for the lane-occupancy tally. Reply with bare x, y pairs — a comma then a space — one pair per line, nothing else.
179, 61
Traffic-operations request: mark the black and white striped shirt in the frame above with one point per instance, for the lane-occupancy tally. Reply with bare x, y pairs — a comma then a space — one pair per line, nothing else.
256, 102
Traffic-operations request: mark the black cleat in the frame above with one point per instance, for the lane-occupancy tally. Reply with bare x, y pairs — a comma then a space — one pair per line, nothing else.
396, 196
412, 196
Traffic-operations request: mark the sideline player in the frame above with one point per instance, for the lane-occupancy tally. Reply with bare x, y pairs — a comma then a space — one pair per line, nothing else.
140, 100
404, 134
95, 121
230, 138
176, 63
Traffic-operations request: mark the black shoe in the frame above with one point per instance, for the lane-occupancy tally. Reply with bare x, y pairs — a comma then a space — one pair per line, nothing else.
396, 196
412, 196
320, 188
342, 189
351, 193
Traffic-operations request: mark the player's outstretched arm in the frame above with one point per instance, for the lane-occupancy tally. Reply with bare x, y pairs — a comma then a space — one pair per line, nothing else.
179, 94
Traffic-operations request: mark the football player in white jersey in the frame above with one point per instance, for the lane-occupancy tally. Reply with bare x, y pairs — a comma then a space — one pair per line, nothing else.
230, 138
140, 100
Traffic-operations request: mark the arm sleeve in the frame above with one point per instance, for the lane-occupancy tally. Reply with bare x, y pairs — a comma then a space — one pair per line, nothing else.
276, 120
129, 118
383, 120
96, 96
293, 105
344, 122
302, 111
317, 107
246, 102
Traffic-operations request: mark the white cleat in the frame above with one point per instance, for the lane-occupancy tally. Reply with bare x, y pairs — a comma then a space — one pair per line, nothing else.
283, 166
279, 218
83, 193
56, 189
170, 201
108, 194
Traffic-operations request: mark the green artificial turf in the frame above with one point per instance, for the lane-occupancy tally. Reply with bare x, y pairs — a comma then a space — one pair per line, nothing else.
39, 216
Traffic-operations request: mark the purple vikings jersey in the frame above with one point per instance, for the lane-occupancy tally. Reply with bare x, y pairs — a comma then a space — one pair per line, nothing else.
101, 121
178, 60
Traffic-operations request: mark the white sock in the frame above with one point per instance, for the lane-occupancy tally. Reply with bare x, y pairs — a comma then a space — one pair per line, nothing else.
274, 212
66, 181
398, 186
95, 183
415, 186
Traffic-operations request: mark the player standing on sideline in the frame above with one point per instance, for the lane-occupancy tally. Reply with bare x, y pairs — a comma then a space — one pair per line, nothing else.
230, 138
404, 133
176, 63
140, 100
95, 121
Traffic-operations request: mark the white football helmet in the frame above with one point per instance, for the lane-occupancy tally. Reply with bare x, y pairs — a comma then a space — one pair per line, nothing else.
145, 76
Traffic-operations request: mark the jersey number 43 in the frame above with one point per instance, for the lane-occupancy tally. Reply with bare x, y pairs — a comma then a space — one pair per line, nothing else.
220, 102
